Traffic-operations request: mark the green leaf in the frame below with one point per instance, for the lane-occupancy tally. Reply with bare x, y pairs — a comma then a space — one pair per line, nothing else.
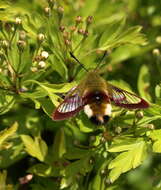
110, 34
59, 66
135, 153
144, 82
80, 166
155, 135
115, 35
6, 103
75, 153
7, 133
41, 170
146, 119
90, 7
35, 147
158, 94
158, 91
121, 84
51, 89
132, 33
59, 146
3, 177
4, 79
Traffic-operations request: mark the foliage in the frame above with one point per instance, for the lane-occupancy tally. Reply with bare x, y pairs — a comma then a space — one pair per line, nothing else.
36, 70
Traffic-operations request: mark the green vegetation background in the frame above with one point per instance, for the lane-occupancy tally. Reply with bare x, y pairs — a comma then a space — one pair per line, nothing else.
36, 71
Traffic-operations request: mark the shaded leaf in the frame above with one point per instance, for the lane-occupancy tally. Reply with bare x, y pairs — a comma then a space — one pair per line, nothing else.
59, 146
41, 170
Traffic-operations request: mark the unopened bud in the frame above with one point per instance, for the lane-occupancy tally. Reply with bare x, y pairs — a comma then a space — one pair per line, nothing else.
25, 179
34, 69
67, 42
156, 52
150, 126
22, 35
89, 19
91, 161
41, 37
61, 10
81, 31
139, 114
86, 33
44, 54
62, 28
23, 89
5, 44
42, 64
118, 130
103, 172
47, 10
65, 34
18, 21
78, 19
107, 181
21, 44
73, 28
158, 39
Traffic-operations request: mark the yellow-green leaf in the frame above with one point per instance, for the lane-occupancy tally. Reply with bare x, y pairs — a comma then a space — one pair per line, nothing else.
7, 133
35, 147
127, 160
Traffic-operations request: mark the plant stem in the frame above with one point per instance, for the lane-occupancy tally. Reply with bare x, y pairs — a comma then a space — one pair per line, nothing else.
13, 35
19, 62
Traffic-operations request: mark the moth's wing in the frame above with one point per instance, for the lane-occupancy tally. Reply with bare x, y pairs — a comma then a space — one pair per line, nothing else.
71, 105
126, 99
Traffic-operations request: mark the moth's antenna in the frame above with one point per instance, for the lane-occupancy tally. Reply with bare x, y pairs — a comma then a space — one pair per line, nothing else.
104, 55
71, 54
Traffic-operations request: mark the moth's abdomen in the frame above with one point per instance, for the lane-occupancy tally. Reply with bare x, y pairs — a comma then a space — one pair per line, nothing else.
98, 113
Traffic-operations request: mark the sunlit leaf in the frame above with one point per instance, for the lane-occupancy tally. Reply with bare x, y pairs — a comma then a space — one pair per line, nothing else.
144, 82
133, 155
155, 135
35, 147
7, 133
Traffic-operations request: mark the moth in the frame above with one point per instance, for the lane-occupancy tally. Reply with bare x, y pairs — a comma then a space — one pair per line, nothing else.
95, 95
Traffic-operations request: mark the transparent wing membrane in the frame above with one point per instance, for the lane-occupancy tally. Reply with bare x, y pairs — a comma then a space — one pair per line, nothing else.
72, 104
126, 99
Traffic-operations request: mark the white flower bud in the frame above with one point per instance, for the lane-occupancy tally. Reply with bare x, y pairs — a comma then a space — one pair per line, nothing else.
47, 10
44, 54
22, 35
156, 52
158, 39
34, 69
42, 64
41, 37
18, 21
